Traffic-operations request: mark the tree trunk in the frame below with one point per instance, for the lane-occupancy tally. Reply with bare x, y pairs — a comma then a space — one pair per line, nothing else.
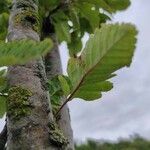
53, 68
29, 121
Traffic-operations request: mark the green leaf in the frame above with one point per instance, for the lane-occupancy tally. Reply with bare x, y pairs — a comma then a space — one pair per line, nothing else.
59, 86
4, 6
55, 92
3, 83
62, 31
55, 89
109, 5
109, 49
60, 21
73, 15
45, 6
65, 84
2, 106
91, 15
85, 26
118, 4
3, 25
20, 52
75, 45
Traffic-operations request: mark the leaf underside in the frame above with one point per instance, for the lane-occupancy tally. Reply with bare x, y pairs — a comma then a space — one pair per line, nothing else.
109, 49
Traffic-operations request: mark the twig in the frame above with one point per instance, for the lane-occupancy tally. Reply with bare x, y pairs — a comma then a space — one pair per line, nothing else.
70, 97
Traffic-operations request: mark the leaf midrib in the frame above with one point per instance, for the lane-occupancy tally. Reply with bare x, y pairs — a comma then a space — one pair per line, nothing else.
88, 71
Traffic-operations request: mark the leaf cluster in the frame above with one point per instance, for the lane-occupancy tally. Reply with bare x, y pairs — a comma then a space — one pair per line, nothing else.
109, 48
72, 19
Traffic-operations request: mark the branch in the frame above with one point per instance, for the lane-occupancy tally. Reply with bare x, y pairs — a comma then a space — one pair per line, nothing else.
65, 102
3, 138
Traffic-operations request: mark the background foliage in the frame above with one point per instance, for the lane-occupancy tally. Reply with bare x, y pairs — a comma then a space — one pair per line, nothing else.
136, 143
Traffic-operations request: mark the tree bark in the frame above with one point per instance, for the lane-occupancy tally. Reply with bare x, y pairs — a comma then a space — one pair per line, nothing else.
53, 68
29, 121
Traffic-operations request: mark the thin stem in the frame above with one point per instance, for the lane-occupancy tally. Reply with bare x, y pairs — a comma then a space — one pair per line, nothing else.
70, 97
57, 113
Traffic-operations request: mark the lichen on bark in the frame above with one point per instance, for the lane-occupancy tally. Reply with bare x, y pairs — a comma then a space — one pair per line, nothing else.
56, 136
28, 16
18, 102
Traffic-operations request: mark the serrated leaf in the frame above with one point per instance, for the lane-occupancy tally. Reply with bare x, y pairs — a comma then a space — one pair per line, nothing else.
20, 52
2, 106
109, 49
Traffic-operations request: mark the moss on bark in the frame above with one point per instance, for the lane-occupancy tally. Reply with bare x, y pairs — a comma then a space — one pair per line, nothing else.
56, 136
18, 102
28, 16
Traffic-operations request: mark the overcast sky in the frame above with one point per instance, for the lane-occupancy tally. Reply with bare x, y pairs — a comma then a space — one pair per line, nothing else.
126, 109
